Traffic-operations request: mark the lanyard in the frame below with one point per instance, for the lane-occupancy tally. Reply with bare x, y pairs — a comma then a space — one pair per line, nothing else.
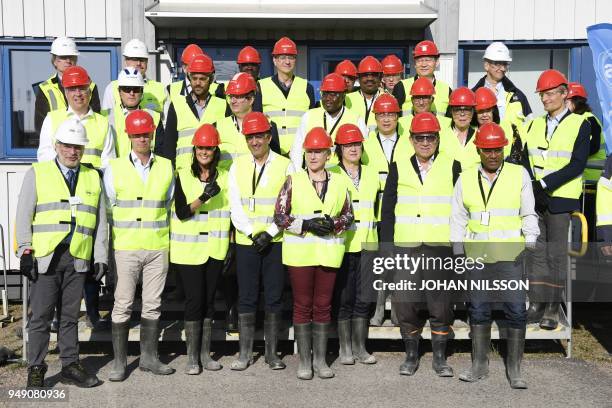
482, 194
255, 182
365, 102
383, 149
331, 132
236, 123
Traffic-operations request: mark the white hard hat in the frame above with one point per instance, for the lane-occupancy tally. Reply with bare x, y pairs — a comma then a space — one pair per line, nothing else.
135, 49
72, 132
64, 46
497, 51
130, 76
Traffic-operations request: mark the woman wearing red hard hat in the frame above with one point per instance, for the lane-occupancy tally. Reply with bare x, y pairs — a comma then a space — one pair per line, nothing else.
314, 210
199, 241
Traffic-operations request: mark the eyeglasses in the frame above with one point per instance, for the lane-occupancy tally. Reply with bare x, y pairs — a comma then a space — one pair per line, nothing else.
391, 115
286, 57
499, 64
550, 93
424, 138
130, 89
492, 151
462, 110
329, 94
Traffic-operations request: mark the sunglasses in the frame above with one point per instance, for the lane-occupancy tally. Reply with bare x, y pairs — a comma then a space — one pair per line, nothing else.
423, 138
130, 89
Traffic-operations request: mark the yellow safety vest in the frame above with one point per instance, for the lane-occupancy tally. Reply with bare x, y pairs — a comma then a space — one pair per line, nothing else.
233, 142
440, 102
206, 233
96, 127
514, 111
286, 112
187, 124
598, 158
55, 97
265, 194
546, 157
140, 214
363, 230
123, 146
309, 249
355, 102
502, 238
374, 155
603, 204
422, 211
53, 215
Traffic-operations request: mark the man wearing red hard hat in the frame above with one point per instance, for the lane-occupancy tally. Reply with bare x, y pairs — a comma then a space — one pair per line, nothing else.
493, 221
249, 62
361, 101
393, 72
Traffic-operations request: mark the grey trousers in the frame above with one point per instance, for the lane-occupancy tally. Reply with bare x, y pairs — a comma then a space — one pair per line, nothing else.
61, 282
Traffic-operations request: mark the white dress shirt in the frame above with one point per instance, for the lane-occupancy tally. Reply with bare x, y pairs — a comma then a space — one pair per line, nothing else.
501, 97
388, 144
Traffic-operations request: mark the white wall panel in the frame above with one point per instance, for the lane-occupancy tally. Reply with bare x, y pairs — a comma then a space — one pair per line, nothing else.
34, 18
113, 18
75, 18
503, 19
466, 20
564, 17
12, 18
603, 11
95, 18
55, 18
584, 16
1, 23
523, 19
543, 15
483, 20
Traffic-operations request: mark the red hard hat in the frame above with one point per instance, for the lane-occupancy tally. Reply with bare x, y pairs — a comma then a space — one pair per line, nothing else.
206, 135
392, 65
425, 49
255, 122
424, 122
248, 55
346, 68
576, 89
549, 79
201, 64
490, 136
386, 103
333, 83
485, 98
348, 133
317, 138
189, 52
138, 122
462, 97
75, 76
284, 46
241, 84
422, 87
369, 64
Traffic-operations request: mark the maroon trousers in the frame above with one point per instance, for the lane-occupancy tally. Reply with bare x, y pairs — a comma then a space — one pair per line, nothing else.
313, 289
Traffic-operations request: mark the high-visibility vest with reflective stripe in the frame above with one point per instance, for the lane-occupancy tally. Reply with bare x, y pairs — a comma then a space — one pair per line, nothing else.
502, 238
598, 158
97, 129
514, 111
116, 121
422, 211
187, 124
53, 214
286, 112
363, 230
140, 214
548, 157
206, 233
603, 206
54, 95
355, 102
440, 102
374, 155
233, 142
309, 249
265, 196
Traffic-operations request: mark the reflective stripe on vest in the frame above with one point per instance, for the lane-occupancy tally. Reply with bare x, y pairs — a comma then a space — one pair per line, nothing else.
603, 201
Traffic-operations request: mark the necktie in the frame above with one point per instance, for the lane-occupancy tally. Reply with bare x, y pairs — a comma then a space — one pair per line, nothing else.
71, 179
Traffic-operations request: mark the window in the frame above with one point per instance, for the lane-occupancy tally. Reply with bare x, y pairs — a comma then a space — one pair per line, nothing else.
23, 68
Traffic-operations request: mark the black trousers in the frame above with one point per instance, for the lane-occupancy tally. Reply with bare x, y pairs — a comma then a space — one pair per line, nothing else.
348, 300
200, 285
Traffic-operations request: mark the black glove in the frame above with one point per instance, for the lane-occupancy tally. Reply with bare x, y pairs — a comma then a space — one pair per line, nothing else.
28, 266
261, 241
211, 190
100, 269
318, 226
540, 195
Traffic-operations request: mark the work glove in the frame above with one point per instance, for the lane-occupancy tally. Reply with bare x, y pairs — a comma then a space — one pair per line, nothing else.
100, 269
540, 195
28, 266
211, 190
319, 226
261, 241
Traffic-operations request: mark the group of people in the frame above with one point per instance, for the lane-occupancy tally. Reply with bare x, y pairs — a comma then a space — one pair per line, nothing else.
186, 176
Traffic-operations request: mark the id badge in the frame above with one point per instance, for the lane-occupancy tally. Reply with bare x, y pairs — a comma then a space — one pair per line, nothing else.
74, 201
484, 218
252, 204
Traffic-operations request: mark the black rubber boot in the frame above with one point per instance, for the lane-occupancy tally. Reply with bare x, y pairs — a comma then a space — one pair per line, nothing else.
193, 333
207, 362
36, 376
439, 364
320, 333
120, 333
303, 336
149, 338
481, 344
410, 365
550, 320
358, 339
246, 324
344, 340
272, 325
379, 313
515, 346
